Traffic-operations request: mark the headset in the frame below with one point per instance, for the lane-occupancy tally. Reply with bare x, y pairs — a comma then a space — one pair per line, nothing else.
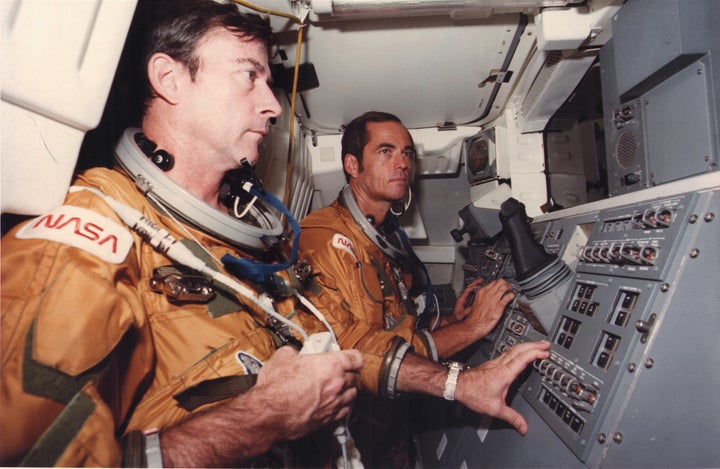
145, 164
396, 245
390, 243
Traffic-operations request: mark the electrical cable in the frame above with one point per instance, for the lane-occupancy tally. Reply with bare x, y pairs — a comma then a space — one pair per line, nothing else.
269, 11
316, 312
293, 101
342, 429
406, 205
258, 271
293, 97
437, 314
246, 210
162, 241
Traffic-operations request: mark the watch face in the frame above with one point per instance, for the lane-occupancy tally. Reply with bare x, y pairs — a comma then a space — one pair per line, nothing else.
452, 377
454, 364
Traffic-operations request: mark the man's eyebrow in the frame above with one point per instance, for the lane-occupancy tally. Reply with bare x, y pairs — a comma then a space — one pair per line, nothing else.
257, 66
382, 145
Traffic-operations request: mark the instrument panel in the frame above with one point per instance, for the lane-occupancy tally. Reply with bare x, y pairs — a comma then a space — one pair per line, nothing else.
635, 269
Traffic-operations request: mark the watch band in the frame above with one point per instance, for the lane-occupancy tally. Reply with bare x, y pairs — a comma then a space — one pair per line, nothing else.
451, 383
153, 453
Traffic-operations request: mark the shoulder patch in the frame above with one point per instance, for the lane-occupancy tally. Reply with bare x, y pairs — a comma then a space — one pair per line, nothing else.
343, 242
83, 229
249, 364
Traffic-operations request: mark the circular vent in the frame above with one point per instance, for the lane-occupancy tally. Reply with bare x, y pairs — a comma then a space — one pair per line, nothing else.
625, 149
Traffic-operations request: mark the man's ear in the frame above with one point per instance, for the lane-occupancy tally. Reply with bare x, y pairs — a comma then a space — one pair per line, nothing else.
351, 165
164, 74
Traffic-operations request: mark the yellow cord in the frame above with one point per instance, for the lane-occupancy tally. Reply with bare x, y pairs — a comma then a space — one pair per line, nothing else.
291, 138
301, 24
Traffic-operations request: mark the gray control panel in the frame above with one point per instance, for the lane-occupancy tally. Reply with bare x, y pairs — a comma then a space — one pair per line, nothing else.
605, 314
633, 331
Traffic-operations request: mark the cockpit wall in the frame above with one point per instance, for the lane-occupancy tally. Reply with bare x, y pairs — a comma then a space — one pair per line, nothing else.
598, 119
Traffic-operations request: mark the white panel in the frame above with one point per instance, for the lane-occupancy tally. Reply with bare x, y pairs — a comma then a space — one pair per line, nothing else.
568, 190
425, 70
530, 189
562, 28
58, 61
439, 151
565, 152
552, 86
327, 171
490, 194
569, 28
59, 56
38, 158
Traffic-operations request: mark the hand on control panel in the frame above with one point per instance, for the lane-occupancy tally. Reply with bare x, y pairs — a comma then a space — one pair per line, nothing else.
477, 312
484, 388
482, 306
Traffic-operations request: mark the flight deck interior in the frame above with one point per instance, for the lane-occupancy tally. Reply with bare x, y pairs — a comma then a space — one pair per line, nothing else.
570, 147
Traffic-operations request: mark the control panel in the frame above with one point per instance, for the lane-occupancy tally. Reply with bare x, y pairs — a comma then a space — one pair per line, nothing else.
618, 258
635, 241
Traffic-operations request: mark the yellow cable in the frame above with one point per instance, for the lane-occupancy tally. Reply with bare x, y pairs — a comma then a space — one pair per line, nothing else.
291, 138
288, 174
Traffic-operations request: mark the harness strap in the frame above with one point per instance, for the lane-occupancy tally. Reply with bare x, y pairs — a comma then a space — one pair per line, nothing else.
214, 390
56, 439
43, 381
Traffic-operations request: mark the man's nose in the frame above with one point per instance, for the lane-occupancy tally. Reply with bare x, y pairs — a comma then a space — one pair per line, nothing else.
269, 104
402, 161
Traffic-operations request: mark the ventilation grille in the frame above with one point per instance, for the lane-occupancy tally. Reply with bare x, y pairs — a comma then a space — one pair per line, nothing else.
626, 149
542, 79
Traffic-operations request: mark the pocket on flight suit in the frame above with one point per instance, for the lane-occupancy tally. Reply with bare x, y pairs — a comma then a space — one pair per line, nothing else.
240, 356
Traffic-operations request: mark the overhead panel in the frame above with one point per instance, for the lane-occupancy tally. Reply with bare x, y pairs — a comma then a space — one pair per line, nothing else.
427, 70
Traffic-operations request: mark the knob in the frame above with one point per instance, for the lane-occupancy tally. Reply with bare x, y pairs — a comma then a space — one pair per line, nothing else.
642, 326
584, 394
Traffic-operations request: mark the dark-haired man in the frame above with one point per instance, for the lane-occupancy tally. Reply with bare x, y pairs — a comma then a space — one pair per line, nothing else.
361, 262
115, 350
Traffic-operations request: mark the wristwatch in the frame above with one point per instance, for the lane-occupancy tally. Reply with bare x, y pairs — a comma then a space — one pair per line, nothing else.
451, 383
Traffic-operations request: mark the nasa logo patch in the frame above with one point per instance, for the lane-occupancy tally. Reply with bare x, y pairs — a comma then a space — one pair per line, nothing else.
343, 242
82, 229
249, 364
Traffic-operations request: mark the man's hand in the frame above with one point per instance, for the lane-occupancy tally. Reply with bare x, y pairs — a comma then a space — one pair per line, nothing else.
465, 301
309, 391
484, 388
487, 306
477, 311
294, 396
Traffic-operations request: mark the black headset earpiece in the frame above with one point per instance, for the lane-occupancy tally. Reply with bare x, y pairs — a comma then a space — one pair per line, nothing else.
161, 158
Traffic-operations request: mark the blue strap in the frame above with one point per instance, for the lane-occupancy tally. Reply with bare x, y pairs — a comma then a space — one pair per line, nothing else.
259, 271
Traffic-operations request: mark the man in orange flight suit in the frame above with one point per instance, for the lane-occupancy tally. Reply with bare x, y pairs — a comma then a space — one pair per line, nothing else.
361, 266
114, 352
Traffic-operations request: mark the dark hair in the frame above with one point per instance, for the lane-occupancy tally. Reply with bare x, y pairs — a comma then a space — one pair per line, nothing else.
175, 27
355, 136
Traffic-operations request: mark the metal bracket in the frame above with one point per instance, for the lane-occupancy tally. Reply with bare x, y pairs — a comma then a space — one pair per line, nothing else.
645, 327
496, 76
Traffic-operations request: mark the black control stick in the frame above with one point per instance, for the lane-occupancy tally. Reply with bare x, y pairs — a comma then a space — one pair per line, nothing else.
529, 256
